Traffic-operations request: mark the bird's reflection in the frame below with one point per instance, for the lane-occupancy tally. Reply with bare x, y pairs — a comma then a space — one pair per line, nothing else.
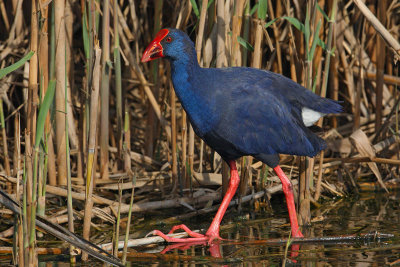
215, 248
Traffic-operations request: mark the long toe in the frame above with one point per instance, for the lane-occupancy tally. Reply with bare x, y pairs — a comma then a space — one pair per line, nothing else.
170, 239
186, 229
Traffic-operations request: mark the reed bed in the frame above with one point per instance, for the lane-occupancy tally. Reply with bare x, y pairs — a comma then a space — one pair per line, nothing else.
84, 123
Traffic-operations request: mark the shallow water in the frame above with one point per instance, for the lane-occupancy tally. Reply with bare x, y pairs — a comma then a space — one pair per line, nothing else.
251, 236
367, 213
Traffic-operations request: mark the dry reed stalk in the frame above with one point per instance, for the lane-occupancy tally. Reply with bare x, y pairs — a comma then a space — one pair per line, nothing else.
306, 164
29, 237
128, 224
21, 259
59, 6
380, 66
174, 137
276, 35
327, 63
31, 127
70, 210
389, 39
257, 58
94, 101
139, 158
184, 164
319, 177
17, 150
200, 34
152, 125
51, 166
7, 166
105, 90
388, 79
4, 15
70, 78
17, 27
44, 80
236, 29
127, 141
33, 73
328, 51
220, 53
117, 224
246, 32
348, 77
118, 78
360, 85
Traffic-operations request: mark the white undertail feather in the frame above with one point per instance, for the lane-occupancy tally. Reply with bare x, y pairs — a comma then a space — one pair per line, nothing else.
310, 116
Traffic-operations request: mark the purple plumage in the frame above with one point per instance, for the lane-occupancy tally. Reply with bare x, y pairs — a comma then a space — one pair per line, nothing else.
241, 111
244, 111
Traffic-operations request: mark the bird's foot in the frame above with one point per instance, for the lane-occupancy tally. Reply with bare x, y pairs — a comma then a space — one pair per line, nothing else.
194, 236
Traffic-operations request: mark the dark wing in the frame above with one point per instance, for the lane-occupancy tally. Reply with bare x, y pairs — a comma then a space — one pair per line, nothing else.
299, 96
257, 119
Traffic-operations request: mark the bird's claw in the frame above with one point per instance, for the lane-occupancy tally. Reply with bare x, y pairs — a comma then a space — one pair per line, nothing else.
194, 236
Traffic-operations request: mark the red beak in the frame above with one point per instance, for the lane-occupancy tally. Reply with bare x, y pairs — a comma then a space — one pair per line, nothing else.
154, 49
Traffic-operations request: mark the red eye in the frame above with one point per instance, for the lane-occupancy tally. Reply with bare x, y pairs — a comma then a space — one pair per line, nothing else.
168, 39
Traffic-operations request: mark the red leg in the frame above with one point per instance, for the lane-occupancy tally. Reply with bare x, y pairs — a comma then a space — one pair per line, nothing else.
288, 191
213, 230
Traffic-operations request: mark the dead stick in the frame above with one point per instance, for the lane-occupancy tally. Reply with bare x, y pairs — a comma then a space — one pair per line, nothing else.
389, 39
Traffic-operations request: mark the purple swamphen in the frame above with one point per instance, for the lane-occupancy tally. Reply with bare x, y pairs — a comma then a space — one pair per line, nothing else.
241, 111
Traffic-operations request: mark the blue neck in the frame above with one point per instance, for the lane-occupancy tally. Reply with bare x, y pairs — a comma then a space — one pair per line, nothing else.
188, 80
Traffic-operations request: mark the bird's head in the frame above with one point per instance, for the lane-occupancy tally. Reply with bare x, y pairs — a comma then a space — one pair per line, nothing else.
170, 43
